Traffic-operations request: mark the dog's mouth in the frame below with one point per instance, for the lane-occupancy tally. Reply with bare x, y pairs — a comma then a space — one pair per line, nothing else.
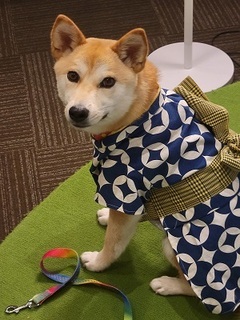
105, 116
79, 125
87, 122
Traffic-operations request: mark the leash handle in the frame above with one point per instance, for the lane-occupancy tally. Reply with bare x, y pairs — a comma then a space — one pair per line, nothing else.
64, 280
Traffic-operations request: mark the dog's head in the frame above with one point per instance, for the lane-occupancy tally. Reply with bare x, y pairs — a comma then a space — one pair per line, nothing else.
96, 78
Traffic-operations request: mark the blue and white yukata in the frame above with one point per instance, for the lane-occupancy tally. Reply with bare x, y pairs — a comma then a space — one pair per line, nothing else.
164, 146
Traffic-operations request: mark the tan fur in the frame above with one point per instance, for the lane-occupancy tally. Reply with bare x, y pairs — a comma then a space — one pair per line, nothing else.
145, 95
136, 88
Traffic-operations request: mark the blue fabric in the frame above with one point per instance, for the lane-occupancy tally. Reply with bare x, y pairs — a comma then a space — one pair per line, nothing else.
165, 146
206, 240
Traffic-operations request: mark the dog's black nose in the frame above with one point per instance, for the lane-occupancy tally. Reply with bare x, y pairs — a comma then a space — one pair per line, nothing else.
78, 114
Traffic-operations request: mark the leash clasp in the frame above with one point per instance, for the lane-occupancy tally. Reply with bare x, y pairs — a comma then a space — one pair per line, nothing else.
15, 309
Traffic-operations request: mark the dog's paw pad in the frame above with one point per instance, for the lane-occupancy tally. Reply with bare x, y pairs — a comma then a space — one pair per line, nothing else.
103, 215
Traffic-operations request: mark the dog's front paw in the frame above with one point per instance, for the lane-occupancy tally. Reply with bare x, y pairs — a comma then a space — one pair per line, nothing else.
92, 261
103, 215
164, 285
171, 286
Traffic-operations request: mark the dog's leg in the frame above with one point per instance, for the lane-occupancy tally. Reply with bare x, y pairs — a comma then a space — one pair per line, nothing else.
120, 230
171, 285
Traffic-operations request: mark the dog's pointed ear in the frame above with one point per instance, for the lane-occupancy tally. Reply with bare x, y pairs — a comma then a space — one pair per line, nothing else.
132, 49
65, 37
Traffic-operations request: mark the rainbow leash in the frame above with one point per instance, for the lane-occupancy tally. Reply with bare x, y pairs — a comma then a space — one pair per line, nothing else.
65, 280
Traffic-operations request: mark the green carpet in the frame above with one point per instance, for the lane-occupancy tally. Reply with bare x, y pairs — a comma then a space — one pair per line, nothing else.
67, 219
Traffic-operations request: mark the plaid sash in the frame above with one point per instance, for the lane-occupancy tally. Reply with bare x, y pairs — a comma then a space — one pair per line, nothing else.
208, 182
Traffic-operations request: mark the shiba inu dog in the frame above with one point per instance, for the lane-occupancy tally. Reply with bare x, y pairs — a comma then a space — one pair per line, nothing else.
144, 137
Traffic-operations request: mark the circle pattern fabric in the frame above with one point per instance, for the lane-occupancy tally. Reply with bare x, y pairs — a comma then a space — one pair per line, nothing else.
165, 146
206, 240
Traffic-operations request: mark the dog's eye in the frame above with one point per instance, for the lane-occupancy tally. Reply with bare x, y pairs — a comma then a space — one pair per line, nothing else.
73, 76
107, 83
